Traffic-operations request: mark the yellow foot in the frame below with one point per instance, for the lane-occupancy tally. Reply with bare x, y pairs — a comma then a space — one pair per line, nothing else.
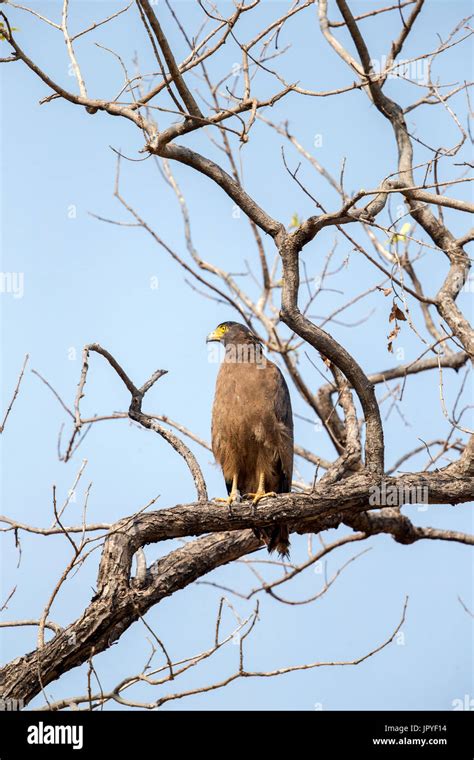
229, 500
260, 495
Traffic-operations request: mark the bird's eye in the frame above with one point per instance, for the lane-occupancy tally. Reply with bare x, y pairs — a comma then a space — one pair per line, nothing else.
223, 329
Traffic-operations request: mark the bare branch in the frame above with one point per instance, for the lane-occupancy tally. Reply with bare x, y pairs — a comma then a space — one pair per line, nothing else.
15, 394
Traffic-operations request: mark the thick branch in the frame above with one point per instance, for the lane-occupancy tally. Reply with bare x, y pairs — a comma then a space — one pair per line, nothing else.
233, 189
120, 600
330, 348
176, 75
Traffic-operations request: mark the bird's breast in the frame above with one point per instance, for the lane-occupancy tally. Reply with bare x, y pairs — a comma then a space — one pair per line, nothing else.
242, 404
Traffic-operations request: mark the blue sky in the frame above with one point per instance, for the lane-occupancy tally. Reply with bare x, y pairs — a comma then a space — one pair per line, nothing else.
86, 281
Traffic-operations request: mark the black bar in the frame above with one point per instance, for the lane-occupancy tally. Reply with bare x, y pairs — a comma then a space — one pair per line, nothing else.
378, 734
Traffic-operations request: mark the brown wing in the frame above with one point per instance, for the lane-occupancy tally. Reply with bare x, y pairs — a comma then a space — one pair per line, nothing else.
284, 419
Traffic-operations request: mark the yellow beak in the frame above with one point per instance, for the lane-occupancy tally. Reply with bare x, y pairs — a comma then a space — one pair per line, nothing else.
214, 335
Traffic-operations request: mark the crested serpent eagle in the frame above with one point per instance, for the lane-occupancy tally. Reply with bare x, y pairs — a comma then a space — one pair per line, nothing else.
252, 425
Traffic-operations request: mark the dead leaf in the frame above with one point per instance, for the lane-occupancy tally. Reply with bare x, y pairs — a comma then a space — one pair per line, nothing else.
394, 333
397, 313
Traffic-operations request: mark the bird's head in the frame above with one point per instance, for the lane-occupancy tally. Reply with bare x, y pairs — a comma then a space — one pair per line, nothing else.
232, 333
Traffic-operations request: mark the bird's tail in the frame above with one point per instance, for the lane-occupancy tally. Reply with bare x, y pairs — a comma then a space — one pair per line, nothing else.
276, 538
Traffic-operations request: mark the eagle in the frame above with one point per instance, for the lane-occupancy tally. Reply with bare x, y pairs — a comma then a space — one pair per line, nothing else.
252, 425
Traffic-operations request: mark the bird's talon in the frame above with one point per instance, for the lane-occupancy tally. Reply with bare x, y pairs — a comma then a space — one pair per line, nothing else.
229, 500
260, 495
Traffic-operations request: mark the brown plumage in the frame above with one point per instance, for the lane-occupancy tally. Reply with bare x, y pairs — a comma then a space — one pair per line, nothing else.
252, 424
